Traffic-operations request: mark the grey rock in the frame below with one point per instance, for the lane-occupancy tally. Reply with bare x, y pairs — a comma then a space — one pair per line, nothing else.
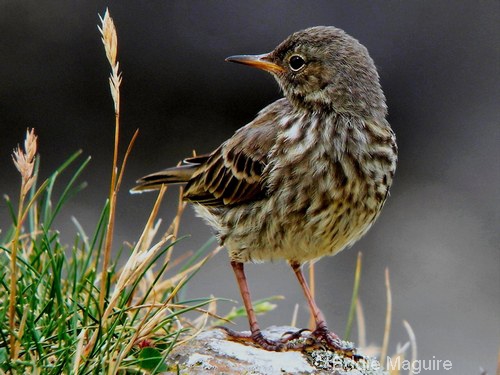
211, 353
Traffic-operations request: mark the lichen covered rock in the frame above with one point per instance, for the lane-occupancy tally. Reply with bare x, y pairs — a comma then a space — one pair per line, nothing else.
211, 353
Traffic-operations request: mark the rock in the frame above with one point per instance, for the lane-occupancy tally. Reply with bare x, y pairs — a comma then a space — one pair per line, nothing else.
211, 353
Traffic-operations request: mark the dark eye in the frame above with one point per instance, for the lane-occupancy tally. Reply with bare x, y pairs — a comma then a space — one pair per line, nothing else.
296, 63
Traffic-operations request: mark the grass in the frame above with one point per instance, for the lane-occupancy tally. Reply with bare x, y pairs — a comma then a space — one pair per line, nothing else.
58, 325
74, 309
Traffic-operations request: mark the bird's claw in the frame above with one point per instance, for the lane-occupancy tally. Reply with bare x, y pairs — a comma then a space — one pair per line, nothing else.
256, 338
293, 335
334, 343
319, 338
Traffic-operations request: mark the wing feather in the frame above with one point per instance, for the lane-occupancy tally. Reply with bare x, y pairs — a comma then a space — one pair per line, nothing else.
235, 172
232, 174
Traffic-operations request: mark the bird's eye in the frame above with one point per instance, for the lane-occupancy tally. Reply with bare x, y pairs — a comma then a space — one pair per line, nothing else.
296, 63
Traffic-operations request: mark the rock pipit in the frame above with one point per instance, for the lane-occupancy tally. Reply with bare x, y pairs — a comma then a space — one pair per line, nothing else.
306, 178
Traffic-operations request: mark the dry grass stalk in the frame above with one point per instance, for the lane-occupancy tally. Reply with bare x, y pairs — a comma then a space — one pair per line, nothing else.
134, 266
141, 256
110, 41
146, 326
361, 324
354, 298
388, 318
413, 343
295, 315
82, 337
174, 227
24, 160
367, 349
210, 311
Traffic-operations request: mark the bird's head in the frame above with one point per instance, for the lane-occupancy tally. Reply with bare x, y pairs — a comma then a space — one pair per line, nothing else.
323, 69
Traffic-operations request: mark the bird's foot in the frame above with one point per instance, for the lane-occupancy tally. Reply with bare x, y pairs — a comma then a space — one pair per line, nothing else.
321, 338
323, 335
257, 339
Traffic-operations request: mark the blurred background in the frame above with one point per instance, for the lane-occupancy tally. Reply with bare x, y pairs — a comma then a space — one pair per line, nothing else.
439, 65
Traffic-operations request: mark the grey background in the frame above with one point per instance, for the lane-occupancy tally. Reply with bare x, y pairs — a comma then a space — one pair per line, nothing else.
439, 65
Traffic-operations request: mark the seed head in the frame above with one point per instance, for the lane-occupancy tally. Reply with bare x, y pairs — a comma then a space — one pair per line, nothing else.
24, 160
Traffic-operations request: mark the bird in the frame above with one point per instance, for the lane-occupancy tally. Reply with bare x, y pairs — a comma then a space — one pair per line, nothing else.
306, 178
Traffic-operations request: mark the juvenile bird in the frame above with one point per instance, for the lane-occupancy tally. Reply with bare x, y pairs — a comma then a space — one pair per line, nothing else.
307, 177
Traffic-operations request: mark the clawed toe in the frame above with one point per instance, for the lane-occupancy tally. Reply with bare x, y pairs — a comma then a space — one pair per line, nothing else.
319, 338
334, 343
293, 335
255, 338
235, 334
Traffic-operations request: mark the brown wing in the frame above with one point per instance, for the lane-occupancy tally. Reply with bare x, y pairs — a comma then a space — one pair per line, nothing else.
235, 172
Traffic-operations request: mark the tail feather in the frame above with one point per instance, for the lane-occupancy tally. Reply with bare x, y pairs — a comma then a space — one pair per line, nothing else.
175, 175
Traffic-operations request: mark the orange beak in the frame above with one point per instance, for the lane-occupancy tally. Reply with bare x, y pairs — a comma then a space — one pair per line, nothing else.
257, 61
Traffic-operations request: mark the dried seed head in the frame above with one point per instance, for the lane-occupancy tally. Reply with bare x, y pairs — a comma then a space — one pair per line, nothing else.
115, 80
24, 160
110, 41
109, 38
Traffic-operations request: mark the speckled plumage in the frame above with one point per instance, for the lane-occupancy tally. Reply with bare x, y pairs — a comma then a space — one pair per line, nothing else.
310, 174
326, 179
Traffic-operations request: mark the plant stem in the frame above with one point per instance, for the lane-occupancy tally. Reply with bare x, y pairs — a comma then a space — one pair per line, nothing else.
13, 276
111, 216
354, 298
388, 315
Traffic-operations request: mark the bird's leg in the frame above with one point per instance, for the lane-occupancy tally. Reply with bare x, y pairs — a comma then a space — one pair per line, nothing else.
255, 335
321, 331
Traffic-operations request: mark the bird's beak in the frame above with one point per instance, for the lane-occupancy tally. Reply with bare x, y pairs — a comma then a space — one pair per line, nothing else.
257, 61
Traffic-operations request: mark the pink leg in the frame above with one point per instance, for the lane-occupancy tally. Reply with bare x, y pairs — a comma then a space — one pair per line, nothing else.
256, 335
321, 332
